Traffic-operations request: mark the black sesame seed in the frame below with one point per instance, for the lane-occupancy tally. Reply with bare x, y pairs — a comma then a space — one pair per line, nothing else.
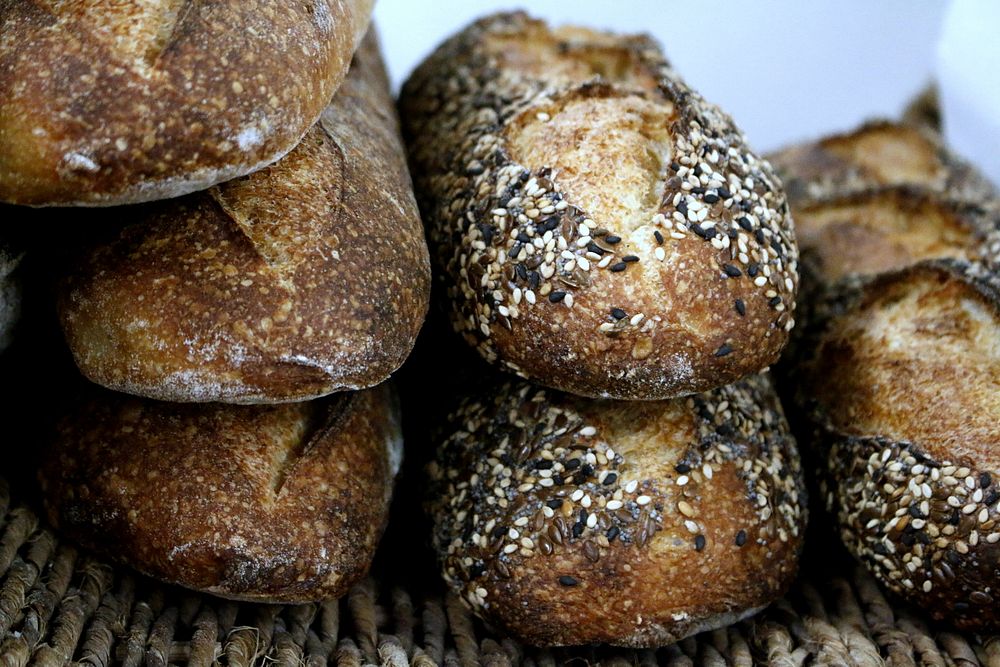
674, 166
475, 169
741, 538
522, 271
682, 207
578, 529
915, 512
711, 198
567, 580
630, 258
658, 236
498, 531
594, 248
698, 190
534, 279
610, 479
612, 533
554, 503
557, 296
753, 269
572, 464
699, 542
724, 350
759, 235
544, 464
985, 479
724, 192
703, 232
587, 471
582, 516
612, 239
682, 468
477, 570
745, 223
732, 271
620, 266
741, 307
774, 301
991, 496
618, 313
523, 238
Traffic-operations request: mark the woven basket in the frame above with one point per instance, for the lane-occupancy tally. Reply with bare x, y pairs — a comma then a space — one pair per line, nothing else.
60, 606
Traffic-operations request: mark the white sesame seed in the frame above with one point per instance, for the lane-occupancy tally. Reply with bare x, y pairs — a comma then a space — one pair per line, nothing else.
588, 431
510, 548
617, 504
592, 521
643, 500
691, 526
576, 495
513, 534
586, 501
631, 486
634, 321
683, 480
760, 281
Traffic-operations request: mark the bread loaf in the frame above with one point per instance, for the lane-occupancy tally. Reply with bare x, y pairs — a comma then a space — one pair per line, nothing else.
566, 520
121, 102
898, 376
877, 153
308, 277
266, 503
599, 227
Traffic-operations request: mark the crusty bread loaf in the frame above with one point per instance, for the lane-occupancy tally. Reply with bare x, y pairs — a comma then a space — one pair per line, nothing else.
567, 520
599, 227
877, 153
899, 377
308, 277
120, 102
880, 229
267, 503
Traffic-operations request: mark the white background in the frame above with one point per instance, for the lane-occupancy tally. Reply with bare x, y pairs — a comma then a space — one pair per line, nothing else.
786, 70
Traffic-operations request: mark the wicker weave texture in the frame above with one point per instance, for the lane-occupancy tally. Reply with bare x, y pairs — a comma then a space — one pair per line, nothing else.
59, 606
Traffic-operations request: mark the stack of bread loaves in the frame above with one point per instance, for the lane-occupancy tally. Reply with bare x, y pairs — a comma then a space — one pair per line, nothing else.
600, 229
895, 372
288, 265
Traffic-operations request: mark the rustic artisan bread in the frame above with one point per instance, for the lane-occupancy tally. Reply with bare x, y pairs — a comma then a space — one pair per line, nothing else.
118, 102
898, 377
880, 229
566, 520
266, 503
877, 153
599, 227
308, 277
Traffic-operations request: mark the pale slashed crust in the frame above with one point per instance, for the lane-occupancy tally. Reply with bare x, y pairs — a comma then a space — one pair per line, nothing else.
567, 520
265, 503
598, 226
308, 277
900, 379
108, 103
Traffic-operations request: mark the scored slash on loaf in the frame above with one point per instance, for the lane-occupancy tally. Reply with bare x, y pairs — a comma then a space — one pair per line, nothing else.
598, 226
308, 277
108, 103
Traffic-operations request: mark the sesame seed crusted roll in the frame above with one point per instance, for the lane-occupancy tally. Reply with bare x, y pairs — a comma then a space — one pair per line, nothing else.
878, 153
567, 520
599, 227
897, 377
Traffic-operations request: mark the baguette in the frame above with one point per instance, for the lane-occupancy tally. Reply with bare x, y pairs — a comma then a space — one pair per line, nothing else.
599, 228
265, 503
308, 277
898, 378
107, 103
568, 521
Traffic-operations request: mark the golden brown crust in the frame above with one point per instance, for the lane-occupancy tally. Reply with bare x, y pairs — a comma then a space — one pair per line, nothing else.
308, 277
571, 521
899, 379
599, 227
266, 503
878, 153
111, 103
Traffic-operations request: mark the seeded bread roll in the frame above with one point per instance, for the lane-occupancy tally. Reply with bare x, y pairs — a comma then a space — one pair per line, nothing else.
566, 520
308, 277
110, 103
265, 503
898, 377
599, 227
877, 153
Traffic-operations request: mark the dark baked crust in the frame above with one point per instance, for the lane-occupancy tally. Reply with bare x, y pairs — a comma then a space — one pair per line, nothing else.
567, 520
879, 152
898, 378
266, 503
598, 226
308, 277
112, 103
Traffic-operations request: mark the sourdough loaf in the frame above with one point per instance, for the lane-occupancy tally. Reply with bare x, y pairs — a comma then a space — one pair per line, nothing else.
898, 378
308, 277
267, 503
120, 102
599, 227
566, 520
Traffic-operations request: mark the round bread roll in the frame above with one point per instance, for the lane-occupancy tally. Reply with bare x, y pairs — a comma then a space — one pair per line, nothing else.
599, 227
265, 503
878, 153
567, 521
308, 277
108, 103
898, 378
